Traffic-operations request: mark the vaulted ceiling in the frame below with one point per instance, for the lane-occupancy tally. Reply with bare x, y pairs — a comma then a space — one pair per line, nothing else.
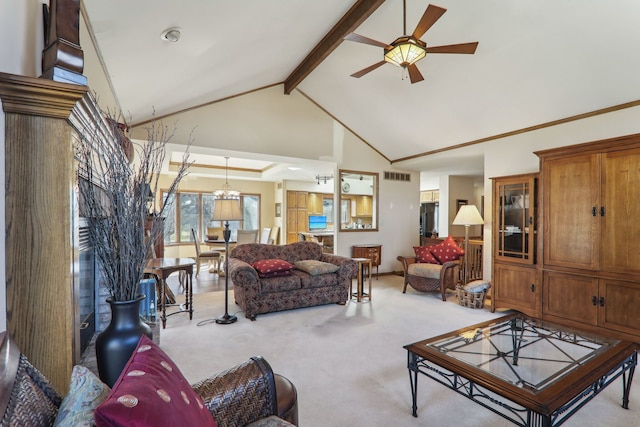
536, 62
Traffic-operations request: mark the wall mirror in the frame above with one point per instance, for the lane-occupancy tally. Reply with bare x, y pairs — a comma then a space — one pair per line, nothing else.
358, 201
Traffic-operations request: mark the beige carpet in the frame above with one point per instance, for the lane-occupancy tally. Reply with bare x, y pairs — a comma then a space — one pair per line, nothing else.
348, 363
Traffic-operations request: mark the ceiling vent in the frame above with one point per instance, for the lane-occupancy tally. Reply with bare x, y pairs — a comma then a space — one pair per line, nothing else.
397, 176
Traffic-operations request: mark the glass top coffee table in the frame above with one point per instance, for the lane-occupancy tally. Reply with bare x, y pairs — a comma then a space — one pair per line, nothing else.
530, 372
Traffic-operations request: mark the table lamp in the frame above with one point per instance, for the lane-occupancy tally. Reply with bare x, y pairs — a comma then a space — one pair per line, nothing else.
467, 215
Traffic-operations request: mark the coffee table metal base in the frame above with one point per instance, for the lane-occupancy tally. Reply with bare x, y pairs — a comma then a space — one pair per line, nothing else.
517, 414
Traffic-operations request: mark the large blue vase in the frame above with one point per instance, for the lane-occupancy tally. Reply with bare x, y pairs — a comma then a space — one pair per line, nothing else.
115, 345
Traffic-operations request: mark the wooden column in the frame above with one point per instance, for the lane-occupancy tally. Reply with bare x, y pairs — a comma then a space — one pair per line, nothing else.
62, 57
40, 201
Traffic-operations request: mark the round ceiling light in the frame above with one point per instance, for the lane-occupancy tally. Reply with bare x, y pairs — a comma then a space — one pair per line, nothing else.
170, 35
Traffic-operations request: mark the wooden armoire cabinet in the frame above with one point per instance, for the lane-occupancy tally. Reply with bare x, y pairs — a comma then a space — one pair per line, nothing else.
515, 282
590, 258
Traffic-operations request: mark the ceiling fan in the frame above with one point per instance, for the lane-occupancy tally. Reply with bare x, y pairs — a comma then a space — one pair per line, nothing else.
405, 51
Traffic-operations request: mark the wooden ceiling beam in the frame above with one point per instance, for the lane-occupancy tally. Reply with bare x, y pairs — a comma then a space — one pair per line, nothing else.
360, 11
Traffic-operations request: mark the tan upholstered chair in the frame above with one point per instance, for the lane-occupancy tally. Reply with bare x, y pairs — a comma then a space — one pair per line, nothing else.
204, 255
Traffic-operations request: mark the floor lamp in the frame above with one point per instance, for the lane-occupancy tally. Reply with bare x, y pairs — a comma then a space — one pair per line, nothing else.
226, 209
467, 215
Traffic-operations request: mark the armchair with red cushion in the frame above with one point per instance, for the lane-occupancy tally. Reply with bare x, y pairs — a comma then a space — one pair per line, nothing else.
433, 267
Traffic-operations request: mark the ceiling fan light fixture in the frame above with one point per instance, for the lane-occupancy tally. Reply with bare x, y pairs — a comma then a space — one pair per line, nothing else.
405, 51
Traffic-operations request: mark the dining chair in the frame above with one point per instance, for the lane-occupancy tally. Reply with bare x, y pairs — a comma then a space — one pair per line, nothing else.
247, 236
204, 255
274, 236
264, 237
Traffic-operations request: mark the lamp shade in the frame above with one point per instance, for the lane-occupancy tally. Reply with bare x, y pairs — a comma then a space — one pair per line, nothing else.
405, 51
226, 210
468, 215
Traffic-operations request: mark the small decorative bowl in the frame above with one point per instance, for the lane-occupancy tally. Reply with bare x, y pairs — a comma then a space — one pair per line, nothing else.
212, 237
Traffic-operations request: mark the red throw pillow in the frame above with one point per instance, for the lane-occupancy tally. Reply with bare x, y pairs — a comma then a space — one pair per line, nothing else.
423, 254
272, 267
151, 391
447, 250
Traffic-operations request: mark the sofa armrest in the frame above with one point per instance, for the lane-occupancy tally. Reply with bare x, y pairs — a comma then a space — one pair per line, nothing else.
240, 395
242, 274
348, 267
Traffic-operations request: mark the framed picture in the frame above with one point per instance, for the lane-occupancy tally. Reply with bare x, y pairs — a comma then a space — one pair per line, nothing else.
278, 210
459, 203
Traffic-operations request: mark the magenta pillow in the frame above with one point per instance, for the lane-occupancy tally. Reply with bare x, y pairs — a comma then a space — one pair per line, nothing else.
151, 391
423, 254
272, 267
447, 250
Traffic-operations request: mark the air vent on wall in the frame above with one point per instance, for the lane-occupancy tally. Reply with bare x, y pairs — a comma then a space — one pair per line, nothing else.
397, 176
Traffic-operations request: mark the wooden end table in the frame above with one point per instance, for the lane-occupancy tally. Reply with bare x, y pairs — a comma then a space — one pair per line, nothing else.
163, 268
359, 294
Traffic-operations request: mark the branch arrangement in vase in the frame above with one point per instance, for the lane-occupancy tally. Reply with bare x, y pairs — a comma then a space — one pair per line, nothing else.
114, 194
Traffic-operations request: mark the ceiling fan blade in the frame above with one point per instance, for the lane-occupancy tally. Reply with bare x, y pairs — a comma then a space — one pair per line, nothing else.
454, 48
414, 74
368, 69
366, 40
431, 15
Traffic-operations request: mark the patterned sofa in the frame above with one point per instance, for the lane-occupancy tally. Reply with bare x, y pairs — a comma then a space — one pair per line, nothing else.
301, 287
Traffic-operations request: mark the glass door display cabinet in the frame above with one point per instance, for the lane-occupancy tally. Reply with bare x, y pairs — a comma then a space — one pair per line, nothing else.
515, 219
515, 282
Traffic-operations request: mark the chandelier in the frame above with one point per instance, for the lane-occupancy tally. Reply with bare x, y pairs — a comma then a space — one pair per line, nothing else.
226, 192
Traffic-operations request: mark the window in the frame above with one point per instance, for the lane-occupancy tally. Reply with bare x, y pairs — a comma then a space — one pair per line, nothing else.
189, 210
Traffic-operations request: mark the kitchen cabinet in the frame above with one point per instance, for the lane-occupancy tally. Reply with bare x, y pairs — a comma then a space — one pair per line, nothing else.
429, 196
315, 203
297, 214
364, 206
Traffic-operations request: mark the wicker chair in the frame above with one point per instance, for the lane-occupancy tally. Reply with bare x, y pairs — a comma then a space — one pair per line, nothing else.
447, 278
247, 393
